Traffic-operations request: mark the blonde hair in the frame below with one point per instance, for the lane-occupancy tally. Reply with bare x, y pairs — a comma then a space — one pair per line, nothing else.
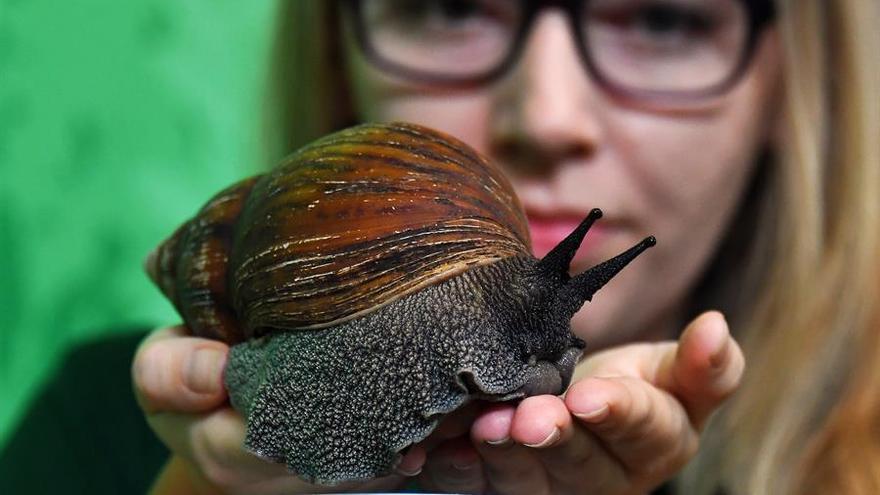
806, 418
306, 93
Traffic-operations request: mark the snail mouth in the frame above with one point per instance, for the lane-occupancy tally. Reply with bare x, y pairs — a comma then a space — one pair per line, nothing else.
545, 379
541, 378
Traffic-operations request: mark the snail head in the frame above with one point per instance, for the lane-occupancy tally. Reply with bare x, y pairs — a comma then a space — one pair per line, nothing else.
544, 298
575, 291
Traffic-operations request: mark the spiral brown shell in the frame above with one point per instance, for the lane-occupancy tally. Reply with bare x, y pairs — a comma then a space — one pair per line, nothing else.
342, 227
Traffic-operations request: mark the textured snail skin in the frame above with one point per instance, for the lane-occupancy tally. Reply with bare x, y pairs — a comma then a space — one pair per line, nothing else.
416, 360
376, 281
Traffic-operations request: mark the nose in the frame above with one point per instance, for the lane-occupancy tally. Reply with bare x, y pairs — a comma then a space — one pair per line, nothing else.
546, 109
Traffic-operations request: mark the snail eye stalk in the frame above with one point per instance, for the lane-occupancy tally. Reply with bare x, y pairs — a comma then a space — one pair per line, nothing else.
582, 287
558, 260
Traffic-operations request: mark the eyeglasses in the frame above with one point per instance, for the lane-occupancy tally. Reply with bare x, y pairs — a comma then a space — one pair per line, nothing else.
641, 49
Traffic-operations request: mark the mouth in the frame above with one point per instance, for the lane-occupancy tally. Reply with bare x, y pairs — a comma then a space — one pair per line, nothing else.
547, 231
542, 378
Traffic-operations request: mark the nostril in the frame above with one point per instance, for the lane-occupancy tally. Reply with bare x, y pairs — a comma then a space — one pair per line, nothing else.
577, 150
536, 153
523, 158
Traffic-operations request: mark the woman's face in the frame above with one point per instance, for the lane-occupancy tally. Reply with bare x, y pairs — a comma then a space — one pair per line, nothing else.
569, 146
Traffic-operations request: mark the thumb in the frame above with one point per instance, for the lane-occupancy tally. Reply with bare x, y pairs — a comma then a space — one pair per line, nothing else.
706, 367
173, 372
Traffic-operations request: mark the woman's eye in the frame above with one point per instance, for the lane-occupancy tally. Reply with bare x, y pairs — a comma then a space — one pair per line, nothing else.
665, 20
454, 10
431, 12
657, 22
439, 15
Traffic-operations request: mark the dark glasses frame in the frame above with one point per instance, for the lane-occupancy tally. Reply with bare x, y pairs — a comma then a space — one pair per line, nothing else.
760, 14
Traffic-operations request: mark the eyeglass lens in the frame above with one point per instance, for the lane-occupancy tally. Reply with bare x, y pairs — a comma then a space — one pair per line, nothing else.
650, 45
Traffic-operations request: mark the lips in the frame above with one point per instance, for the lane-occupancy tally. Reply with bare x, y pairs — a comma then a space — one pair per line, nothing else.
547, 231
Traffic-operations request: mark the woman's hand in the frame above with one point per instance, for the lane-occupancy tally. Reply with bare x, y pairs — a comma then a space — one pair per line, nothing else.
178, 381
630, 421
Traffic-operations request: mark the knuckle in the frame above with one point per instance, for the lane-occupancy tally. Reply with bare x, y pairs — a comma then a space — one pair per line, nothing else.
635, 413
647, 412
449, 474
217, 474
510, 473
678, 457
672, 428
684, 447
584, 457
207, 455
516, 481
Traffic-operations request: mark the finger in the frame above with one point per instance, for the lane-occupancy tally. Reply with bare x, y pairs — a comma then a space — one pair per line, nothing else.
492, 426
454, 466
706, 368
412, 463
213, 444
510, 469
541, 421
454, 425
179, 373
702, 369
217, 436
571, 456
645, 428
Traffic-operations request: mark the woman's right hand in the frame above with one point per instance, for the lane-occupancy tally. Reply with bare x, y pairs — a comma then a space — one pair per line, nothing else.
178, 381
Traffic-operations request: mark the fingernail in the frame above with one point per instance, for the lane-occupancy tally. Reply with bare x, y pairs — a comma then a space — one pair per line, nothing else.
503, 442
550, 440
719, 356
205, 370
408, 474
595, 415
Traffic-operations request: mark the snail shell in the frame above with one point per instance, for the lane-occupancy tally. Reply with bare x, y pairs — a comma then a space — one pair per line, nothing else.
346, 225
377, 280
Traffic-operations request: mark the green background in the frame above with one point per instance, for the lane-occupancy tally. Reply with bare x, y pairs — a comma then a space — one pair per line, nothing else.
118, 119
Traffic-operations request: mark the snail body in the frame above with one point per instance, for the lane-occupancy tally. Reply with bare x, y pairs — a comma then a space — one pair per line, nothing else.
377, 280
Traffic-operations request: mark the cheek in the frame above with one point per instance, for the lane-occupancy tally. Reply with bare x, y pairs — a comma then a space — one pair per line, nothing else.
690, 173
379, 98
463, 116
684, 179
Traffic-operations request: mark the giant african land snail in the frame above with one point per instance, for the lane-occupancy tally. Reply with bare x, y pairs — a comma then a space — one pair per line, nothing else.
378, 279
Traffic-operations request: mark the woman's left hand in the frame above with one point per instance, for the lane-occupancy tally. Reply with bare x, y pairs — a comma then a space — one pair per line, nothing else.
630, 421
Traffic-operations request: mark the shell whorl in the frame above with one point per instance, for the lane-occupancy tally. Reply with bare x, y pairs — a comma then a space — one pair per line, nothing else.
191, 266
352, 222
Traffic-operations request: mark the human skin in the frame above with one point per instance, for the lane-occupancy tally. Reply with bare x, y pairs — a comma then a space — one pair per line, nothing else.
634, 412
652, 399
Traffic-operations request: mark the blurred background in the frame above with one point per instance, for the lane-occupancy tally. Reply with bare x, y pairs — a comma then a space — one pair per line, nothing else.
118, 120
